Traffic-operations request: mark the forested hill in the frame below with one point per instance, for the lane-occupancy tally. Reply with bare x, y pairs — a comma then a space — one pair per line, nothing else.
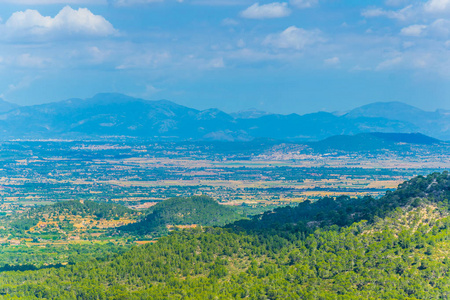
196, 210
397, 248
343, 211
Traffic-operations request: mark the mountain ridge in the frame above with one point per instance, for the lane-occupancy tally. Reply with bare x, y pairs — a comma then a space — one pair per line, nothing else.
108, 115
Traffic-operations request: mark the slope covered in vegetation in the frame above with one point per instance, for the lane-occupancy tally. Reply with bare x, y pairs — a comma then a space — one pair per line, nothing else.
395, 247
62, 233
196, 210
24, 221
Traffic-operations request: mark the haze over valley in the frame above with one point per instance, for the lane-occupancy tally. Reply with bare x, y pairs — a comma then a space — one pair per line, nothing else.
224, 149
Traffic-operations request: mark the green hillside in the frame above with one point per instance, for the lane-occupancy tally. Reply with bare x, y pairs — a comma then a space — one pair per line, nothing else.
395, 247
197, 210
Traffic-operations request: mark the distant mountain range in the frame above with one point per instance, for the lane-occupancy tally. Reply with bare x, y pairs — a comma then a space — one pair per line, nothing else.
117, 115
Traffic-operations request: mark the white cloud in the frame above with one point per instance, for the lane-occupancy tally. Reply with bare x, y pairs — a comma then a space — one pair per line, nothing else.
401, 14
359, 68
389, 63
229, 22
221, 2
22, 84
304, 3
147, 60
413, 30
440, 27
29, 61
133, 2
45, 2
26, 61
216, 63
437, 6
333, 61
151, 90
395, 2
97, 55
81, 22
266, 11
408, 44
294, 38
416, 10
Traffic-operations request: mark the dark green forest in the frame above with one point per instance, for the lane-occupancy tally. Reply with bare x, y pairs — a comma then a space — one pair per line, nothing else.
394, 247
196, 210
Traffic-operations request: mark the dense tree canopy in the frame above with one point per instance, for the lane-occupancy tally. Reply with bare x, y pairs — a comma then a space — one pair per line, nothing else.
196, 210
395, 247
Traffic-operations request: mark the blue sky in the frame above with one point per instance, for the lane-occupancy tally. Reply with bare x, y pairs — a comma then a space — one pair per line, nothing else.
296, 56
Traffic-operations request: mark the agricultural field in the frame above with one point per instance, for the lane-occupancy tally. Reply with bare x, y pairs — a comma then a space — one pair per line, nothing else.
139, 175
62, 233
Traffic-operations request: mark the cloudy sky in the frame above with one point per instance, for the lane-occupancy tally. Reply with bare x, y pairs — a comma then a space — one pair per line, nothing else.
293, 56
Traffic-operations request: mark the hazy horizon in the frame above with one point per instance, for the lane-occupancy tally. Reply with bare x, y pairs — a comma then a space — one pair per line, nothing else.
296, 56
249, 109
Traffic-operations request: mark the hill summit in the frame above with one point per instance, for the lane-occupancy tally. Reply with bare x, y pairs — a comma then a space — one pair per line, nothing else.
196, 210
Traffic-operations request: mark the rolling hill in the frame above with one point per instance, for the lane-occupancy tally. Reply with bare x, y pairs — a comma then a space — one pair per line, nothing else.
394, 247
197, 210
373, 141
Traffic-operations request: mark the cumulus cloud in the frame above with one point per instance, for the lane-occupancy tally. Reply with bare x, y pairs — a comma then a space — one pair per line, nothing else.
31, 24
401, 14
415, 10
266, 11
333, 61
44, 2
413, 30
304, 3
440, 27
437, 6
389, 63
134, 2
294, 38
